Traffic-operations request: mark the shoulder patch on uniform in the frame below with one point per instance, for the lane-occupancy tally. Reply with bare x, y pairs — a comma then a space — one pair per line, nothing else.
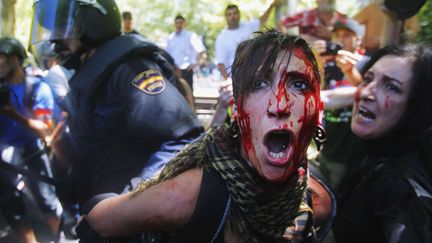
150, 82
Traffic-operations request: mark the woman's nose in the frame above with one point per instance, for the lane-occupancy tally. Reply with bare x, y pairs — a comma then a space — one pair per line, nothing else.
367, 92
279, 104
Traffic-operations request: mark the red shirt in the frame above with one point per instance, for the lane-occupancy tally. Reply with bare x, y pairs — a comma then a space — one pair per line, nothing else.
308, 20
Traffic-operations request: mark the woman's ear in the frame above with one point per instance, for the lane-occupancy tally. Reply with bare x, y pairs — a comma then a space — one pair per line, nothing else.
233, 111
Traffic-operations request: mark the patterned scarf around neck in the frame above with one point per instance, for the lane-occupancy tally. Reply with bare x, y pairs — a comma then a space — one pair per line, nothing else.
262, 211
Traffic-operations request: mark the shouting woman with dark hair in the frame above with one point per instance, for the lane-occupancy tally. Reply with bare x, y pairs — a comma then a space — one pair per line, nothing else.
257, 167
387, 196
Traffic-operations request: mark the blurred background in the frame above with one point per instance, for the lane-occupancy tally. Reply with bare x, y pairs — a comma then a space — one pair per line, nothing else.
154, 18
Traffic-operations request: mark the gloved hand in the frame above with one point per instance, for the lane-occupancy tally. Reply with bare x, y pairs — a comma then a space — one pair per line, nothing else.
86, 234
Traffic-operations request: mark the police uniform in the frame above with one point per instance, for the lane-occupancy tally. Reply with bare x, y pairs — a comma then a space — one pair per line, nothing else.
123, 110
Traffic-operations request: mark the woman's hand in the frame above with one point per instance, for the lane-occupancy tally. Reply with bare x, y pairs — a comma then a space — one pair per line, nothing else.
347, 62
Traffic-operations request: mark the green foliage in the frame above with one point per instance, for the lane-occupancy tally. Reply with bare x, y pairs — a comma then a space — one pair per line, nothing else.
23, 14
425, 19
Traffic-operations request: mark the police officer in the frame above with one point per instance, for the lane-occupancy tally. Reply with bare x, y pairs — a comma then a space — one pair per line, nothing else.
125, 114
25, 117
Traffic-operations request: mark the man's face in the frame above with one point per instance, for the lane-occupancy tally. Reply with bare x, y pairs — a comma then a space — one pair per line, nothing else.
279, 116
65, 48
179, 25
127, 24
326, 5
345, 38
232, 17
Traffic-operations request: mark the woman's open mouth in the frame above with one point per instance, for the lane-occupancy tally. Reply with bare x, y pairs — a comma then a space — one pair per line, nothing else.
366, 114
279, 146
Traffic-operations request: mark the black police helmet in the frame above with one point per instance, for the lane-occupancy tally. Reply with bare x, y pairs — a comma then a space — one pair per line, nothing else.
10, 46
101, 21
92, 21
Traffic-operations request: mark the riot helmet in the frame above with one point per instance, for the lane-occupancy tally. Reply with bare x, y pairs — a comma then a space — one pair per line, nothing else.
10, 46
43, 52
93, 22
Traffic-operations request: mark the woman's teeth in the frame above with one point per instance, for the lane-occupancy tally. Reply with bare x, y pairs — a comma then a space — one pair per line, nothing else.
277, 155
366, 114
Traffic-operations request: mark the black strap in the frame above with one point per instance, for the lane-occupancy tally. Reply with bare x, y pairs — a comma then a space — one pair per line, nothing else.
210, 213
24, 172
86, 234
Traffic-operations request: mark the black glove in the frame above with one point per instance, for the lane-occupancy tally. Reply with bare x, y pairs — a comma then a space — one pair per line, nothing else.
84, 231
86, 234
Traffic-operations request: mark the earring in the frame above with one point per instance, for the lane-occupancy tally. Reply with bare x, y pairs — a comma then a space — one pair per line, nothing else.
319, 137
234, 129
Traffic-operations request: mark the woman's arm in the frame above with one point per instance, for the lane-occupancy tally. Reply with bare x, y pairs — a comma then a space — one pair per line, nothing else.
338, 98
163, 207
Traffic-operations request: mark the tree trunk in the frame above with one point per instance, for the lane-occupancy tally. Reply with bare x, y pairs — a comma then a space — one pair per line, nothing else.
7, 23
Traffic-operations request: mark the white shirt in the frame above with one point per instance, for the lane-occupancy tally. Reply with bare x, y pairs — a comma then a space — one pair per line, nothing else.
228, 40
57, 78
184, 48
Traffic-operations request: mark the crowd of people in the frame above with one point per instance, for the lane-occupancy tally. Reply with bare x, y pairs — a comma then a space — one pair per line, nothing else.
106, 136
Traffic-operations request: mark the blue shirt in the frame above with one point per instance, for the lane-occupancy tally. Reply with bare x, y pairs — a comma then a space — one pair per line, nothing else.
11, 131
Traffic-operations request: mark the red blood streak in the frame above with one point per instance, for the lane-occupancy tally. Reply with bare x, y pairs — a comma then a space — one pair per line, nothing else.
282, 98
386, 102
310, 118
300, 54
301, 119
244, 125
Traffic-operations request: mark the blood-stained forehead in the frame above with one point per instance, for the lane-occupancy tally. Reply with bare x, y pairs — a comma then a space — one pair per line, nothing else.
310, 69
297, 63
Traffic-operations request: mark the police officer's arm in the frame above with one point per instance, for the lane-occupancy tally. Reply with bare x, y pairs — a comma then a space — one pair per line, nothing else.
164, 207
137, 90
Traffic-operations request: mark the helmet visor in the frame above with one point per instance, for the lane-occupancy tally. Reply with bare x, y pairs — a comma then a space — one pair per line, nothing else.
55, 20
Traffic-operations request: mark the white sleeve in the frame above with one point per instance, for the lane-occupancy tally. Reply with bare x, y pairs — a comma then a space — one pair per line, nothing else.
197, 47
253, 25
197, 43
221, 54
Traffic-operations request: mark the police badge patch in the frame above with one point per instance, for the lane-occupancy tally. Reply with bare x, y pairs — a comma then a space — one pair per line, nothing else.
150, 82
